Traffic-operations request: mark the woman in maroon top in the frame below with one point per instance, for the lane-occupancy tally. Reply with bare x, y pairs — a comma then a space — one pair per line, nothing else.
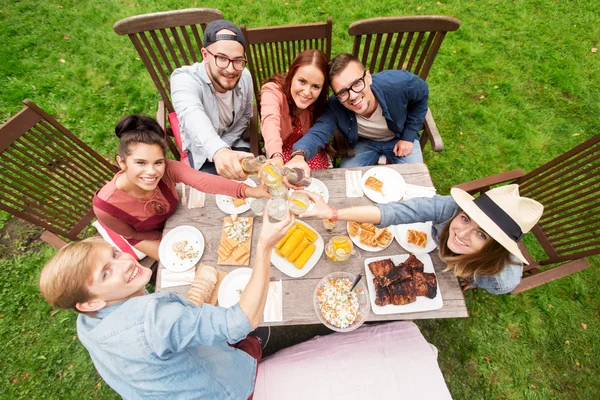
139, 199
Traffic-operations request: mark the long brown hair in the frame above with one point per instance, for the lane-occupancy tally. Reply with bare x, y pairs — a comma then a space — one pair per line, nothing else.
490, 260
307, 57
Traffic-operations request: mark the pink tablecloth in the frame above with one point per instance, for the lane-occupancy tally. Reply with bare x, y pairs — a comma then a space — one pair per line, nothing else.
377, 360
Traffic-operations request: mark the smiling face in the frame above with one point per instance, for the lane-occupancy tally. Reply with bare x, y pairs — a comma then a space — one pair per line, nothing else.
306, 86
465, 235
144, 167
362, 103
116, 277
223, 79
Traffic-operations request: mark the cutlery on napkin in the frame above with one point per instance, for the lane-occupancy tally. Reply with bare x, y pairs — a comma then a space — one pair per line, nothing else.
418, 191
196, 199
274, 305
170, 278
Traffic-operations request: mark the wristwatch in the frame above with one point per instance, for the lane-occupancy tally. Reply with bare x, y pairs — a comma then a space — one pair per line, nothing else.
298, 152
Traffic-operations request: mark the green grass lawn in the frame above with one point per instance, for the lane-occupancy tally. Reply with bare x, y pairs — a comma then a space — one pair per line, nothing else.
514, 87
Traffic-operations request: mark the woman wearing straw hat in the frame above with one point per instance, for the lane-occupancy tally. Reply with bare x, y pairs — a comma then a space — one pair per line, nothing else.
477, 237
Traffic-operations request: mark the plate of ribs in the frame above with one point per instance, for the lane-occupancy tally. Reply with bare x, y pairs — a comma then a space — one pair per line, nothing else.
383, 185
415, 238
402, 284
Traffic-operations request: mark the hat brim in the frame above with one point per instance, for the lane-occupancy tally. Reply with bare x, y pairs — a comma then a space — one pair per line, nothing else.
465, 202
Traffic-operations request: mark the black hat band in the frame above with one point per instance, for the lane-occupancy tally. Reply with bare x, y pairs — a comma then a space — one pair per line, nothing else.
499, 216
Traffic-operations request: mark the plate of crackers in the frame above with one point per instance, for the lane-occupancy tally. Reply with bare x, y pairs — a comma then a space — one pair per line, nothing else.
414, 238
402, 283
181, 248
298, 251
232, 205
368, 237
236, 239
383, 185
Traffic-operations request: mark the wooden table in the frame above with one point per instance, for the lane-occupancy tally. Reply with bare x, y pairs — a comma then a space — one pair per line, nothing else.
298, 292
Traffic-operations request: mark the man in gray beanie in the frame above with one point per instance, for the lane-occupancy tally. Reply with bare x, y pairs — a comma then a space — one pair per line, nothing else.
213, 101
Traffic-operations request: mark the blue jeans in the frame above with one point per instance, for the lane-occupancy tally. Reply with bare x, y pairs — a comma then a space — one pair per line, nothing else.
368, 151
209, 167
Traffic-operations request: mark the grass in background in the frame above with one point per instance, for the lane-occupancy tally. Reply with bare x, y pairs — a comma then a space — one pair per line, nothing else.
514, 87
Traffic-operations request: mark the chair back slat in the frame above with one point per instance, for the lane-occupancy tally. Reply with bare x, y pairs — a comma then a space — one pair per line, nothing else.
271, 50
49, 176
569, 189
416, 42
166, 41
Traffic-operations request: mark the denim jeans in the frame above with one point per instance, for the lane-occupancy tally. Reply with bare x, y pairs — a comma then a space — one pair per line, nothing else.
368, 152
209, 167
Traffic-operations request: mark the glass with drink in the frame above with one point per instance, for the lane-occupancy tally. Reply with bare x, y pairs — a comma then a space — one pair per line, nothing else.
296, 176
277, 209
270, 173
258, 206
251, 165
340, 248
328, 224
298, 203
279, 191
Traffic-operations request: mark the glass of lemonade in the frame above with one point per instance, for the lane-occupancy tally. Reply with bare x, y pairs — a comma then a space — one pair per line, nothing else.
340, 248
298, 203
270, 173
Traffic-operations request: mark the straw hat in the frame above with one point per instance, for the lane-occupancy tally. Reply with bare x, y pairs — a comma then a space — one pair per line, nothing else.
502, 213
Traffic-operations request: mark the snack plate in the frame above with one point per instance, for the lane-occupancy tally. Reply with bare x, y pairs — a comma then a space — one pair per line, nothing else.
232, 286
167, 255
401, 234
394, 185
225, 203
317, 187
422, 303
356, 240
289, 268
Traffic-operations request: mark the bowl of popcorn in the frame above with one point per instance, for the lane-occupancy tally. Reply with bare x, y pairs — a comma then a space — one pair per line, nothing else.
336, 306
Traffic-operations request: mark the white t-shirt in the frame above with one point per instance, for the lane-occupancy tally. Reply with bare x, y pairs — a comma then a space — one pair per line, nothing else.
374, 127
225, 107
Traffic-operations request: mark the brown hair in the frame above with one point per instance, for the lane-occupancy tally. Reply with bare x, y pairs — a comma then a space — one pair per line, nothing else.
490, 260
307, 57
65, 278
340, 62
133, 129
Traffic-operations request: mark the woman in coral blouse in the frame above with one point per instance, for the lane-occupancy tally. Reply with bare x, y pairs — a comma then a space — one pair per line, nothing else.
290, 104
138, 200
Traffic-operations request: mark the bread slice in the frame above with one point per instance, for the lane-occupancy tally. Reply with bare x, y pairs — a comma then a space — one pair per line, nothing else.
374, 184
418, 238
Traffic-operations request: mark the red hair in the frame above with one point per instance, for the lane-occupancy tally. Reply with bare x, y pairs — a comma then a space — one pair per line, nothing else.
307, 57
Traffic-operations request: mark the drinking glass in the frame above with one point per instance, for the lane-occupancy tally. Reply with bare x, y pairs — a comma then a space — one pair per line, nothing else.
279, 191
258, 206
277, 209
298, 202
340, 248
270, 173
328, 224
251, 165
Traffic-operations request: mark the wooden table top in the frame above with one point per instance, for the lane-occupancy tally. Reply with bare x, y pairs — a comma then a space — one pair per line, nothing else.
298, 292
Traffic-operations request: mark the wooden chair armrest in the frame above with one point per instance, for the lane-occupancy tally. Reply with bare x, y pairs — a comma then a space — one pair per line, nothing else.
483, 184
161, 118
53, 240
254, 135
432, 133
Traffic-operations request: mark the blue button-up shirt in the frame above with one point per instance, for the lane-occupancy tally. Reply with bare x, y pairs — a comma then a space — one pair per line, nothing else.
162, 346
441, 210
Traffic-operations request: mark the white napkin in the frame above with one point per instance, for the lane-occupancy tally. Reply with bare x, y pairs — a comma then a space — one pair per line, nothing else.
180, 187
274, 306
418, 191
170, 278
354, 184
196, 198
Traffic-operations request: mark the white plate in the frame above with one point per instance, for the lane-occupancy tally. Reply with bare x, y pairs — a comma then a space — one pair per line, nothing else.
232, 286
289, 268
356, 240
401, 234
318, 187
168, 257
225, 203
422, 304
394, 185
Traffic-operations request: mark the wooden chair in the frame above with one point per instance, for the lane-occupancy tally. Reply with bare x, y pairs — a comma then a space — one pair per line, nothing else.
166, 41
409, 43
49, 176
569, 230
270, 50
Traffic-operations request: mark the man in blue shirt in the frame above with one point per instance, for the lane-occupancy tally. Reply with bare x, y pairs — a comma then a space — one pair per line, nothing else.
378, 114
160, 345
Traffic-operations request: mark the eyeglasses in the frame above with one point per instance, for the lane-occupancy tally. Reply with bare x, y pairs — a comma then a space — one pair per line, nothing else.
223, 62
357, 87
